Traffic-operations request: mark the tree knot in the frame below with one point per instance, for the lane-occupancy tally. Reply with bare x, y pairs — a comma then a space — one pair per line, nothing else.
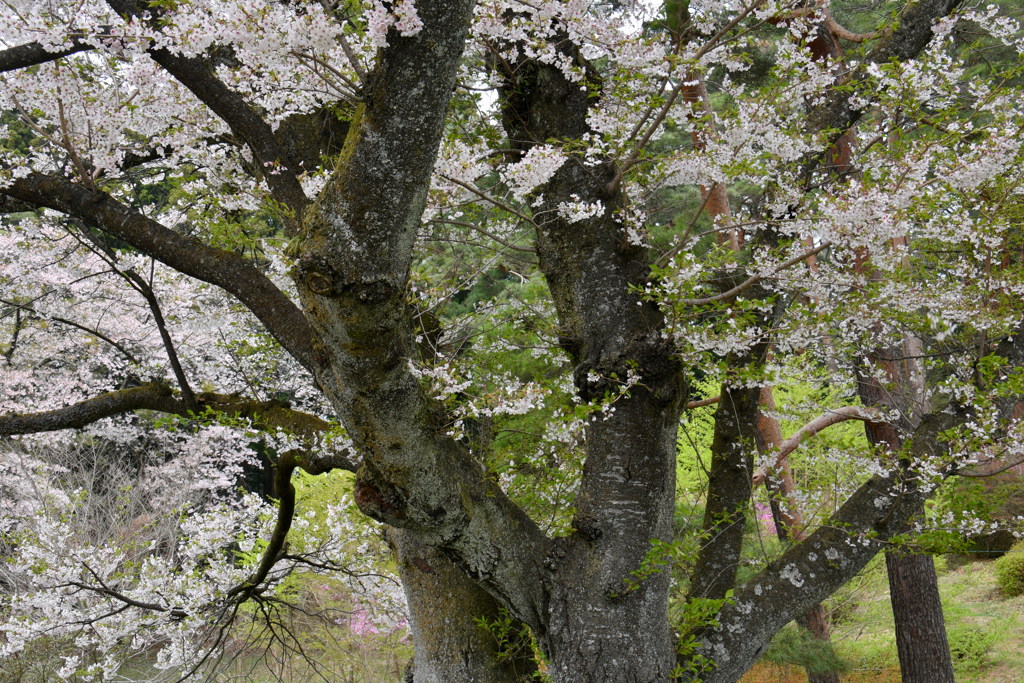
379, 500
320, 283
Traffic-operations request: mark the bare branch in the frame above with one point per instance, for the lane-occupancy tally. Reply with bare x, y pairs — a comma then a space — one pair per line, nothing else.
486, 233
121, 597
351, 90
840, 32
276, 546
983, 469
352, 59
703, 402
71, 323
754, 279
146, 290
823, 13
152, 396
813, 427
488, 198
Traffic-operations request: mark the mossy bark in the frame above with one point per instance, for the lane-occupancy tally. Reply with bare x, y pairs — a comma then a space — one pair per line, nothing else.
460, 631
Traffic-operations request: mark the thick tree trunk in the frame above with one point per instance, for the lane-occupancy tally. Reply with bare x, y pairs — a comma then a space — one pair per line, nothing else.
920, 630
606, 592
597, 600
605, 586
595, 636
459, 631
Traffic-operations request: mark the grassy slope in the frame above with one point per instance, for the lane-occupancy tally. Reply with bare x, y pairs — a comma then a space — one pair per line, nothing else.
976, 613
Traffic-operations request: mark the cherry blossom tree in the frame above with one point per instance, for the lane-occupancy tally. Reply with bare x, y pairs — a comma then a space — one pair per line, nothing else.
485, 255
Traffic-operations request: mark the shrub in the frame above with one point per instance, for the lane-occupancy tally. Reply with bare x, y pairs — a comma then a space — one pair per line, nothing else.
794, 645
969, 647
1010, 571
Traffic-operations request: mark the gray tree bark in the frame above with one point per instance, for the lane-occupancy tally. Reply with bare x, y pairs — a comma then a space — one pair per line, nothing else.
446, 609
595, 605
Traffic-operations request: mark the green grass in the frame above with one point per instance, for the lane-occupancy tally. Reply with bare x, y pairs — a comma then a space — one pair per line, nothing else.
985, 627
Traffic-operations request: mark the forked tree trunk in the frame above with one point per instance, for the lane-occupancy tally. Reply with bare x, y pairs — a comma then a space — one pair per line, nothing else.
597, 600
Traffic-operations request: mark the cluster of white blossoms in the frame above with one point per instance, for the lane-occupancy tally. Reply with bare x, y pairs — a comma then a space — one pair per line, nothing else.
536, 168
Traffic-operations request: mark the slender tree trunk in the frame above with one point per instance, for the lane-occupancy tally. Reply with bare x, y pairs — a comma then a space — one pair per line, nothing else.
917, 610
913, 586
729, 485
731, 461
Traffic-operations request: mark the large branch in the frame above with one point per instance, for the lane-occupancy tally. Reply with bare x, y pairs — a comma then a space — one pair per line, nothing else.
297, 145
219, 267
156, 396
31, 54
279, 168
152, 396
812, 570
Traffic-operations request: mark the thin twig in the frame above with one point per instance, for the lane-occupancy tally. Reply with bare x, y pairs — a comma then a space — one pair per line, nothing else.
71, 323
754, 279
499, 240
488, 198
